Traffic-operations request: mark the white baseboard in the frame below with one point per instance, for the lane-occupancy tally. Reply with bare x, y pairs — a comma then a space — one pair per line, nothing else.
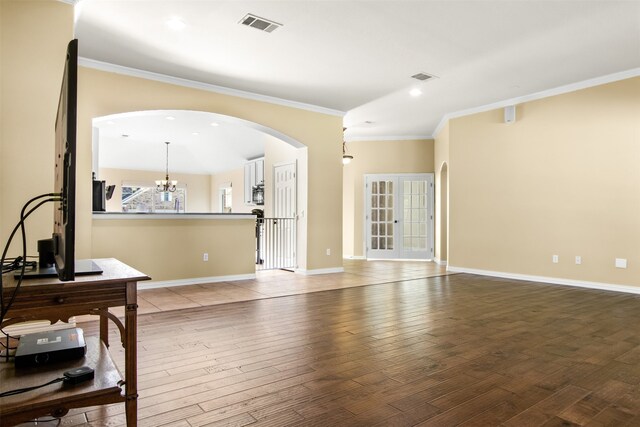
355, 257
320, 271
439, 261
551, 280
194, 281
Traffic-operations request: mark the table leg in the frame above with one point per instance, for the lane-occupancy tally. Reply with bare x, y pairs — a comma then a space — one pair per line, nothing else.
131, 355
104, 330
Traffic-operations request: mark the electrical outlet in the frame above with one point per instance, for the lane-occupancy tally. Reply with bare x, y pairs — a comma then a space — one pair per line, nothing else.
205, 256
554, 259
328, 251
578, 260
621, 263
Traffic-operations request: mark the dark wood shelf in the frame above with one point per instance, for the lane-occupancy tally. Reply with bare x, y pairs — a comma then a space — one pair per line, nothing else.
53, 300
104, 388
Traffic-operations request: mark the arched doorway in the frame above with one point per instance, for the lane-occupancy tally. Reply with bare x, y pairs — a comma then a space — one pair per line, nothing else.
210, 153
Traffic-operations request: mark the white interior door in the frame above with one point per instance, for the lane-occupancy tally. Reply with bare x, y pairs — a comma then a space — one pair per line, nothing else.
284, 181
284, 203
399, 216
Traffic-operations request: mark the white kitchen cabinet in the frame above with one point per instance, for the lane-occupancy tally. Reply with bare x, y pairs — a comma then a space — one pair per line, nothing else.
259, 171
253, 176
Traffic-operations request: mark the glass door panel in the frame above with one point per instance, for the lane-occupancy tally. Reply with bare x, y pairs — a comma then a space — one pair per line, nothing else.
415, 208
380, 217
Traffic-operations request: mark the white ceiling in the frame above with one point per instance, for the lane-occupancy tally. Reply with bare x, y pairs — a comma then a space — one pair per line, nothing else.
196, 146
358, 56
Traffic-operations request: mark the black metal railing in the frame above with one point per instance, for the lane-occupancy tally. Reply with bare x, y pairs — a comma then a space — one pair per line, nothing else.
275, 243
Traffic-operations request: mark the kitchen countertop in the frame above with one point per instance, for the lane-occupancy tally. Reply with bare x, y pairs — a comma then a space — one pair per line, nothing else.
188, 215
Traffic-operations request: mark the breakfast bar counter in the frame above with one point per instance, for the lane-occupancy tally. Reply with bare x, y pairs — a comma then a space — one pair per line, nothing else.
177, 249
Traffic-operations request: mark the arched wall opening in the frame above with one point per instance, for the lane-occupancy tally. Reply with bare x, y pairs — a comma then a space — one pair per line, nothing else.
206, 152
319, 210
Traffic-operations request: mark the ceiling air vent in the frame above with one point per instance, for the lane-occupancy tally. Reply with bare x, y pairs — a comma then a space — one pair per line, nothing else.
422, 76
260, 23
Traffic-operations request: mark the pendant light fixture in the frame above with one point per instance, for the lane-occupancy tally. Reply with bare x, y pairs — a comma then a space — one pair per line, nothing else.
346, 158
166, 184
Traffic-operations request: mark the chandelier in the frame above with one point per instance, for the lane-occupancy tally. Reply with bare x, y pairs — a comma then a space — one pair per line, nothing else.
165, 184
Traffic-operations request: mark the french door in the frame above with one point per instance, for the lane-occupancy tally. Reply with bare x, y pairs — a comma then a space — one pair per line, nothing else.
399, 216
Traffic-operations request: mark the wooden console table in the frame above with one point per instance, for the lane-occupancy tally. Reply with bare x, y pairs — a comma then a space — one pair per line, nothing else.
53, 300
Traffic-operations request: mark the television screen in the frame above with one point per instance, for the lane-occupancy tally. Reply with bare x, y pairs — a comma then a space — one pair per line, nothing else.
65, 168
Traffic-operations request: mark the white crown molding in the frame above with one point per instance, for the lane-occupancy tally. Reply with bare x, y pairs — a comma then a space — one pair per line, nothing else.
134, 72
320, 271
387, 138
549, 280
194, 281
585, 84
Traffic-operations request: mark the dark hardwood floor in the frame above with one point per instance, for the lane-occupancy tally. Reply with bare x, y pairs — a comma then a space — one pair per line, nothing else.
442, 351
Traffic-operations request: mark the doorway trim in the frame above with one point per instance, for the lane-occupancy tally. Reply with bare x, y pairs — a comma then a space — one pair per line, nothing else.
442, 216
399, 214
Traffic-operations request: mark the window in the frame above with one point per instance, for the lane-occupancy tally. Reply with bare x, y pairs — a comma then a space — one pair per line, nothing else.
225, 198
146, 198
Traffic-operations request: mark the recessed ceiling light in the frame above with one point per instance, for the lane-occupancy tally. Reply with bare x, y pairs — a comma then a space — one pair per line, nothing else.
195, 133
170, 118
175, 24
415, 92
214, 124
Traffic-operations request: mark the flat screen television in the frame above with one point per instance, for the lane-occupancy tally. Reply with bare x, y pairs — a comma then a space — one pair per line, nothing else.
59, 251
65, 168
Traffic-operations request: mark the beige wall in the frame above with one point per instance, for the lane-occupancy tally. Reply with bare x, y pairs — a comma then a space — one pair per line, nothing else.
371, 157
33, 37
102, 93
564, 179
236, 178
441, 163
198, 187
168, 249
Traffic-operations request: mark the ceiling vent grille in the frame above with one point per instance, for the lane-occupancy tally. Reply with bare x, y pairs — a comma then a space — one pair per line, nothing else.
259, 23
422, 76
